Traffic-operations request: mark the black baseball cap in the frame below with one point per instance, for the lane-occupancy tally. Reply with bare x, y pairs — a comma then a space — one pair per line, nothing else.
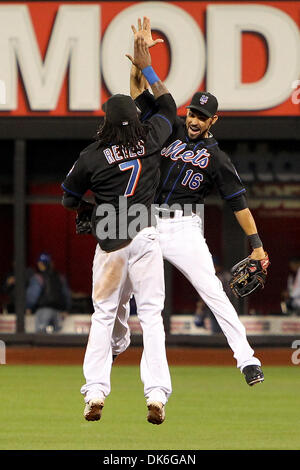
205, 103
120, 110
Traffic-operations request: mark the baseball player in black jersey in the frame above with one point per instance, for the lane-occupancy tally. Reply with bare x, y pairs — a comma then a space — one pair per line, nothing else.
192, 164
122, 170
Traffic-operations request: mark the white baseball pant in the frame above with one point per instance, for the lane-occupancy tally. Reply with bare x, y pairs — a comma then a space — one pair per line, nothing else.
137, 269
183, 245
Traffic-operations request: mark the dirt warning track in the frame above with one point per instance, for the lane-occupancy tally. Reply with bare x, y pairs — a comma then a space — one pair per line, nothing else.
176, 356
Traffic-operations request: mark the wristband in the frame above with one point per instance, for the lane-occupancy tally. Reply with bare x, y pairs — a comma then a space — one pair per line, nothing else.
255, 241
150, 75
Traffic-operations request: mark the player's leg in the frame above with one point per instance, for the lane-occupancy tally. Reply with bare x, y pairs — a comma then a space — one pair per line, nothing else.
147, 277
109, 278
184, 246
121, 331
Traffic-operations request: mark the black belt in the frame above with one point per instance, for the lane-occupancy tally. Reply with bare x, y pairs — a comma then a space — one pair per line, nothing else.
171, 214
165, 214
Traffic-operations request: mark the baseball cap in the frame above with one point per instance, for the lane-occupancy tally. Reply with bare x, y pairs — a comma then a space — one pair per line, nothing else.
205, 103
44, 258
120, 110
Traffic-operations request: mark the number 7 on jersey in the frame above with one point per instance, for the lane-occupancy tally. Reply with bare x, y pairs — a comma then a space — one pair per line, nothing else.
135, 166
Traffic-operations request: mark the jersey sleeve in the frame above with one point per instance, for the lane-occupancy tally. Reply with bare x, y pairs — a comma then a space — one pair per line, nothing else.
146, 104
161, 123
77, 181
226, 177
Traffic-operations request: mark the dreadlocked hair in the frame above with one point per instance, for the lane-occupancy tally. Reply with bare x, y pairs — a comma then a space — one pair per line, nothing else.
126, 136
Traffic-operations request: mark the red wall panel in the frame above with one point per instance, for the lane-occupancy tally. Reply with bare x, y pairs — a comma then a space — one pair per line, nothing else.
51, 228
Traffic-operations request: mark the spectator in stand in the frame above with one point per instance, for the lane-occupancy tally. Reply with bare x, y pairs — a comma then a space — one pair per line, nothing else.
291, 296
47, 295
8, 289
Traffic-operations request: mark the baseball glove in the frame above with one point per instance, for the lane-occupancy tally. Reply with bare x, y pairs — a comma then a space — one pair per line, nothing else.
248, 275
83, 218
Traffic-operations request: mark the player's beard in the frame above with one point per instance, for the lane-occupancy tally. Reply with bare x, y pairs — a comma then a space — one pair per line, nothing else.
195, 135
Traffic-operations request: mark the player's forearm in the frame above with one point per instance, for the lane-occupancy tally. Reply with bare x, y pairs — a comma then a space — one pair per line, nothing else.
164, 100
247, 223
138, 83
157, 86
159, 89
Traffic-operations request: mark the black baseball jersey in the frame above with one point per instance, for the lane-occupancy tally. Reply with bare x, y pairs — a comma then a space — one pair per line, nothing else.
191, 168
120, 178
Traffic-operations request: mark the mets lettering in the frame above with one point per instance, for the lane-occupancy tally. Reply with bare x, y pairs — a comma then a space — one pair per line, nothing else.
199, 158
117, 153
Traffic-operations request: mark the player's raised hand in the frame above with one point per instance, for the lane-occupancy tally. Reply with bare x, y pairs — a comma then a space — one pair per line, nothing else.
142, 57
144, 29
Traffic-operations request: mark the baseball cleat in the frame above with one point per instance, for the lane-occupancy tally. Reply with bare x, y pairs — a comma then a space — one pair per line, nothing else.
93, 409
253, 375
156, 412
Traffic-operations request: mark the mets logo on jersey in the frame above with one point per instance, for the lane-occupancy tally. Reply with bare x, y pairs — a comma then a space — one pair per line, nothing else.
203, 99
177, 150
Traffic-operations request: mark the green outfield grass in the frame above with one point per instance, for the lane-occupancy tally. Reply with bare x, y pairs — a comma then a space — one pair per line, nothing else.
210, 408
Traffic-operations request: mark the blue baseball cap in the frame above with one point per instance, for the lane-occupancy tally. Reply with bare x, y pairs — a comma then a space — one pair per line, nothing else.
44, 258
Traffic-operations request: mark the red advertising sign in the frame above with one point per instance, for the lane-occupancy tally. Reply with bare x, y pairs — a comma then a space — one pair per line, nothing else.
66, 59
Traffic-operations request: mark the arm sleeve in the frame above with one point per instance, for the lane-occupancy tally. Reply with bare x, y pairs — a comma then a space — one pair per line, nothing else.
238, 203
161, 123
166, 108
77, 181
70, 202
146, 104
226, 177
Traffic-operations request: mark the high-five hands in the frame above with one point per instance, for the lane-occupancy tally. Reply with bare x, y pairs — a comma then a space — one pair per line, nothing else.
144, 29
142, 57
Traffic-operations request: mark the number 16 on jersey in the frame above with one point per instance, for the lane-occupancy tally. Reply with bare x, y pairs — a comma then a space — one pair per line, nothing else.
192, 179
136, 167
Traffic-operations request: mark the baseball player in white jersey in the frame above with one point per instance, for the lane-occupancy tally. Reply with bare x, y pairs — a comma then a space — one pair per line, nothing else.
192, 163
122, 167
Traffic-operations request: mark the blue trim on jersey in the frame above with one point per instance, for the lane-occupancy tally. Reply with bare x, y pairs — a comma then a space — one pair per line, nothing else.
212, 145
173, 187
166, 179
146, 115
200, 142
190, 141
235, 194
166, 119
71, 192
